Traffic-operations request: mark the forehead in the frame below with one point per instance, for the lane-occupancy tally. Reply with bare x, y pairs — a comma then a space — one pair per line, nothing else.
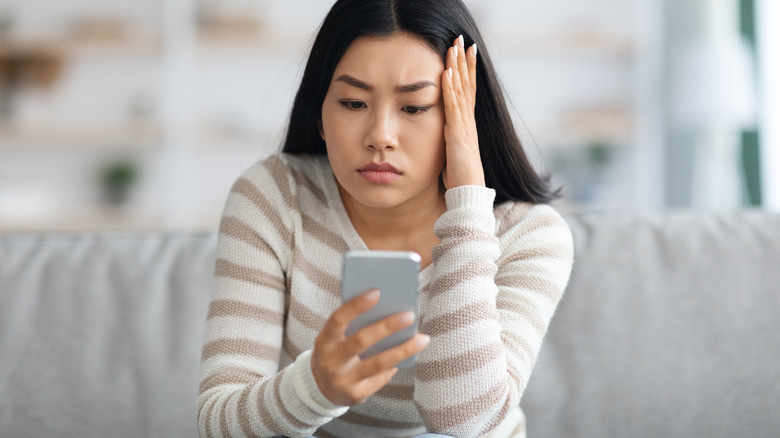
399, 58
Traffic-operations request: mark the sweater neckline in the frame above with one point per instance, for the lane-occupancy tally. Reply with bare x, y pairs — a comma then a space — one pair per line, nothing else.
339, 213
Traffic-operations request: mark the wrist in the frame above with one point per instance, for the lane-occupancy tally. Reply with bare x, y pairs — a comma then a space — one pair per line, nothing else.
459, 178
309, 391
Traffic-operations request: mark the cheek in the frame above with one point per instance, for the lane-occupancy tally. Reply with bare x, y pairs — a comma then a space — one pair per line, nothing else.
333, 135
327, 123
337, 142
339, 129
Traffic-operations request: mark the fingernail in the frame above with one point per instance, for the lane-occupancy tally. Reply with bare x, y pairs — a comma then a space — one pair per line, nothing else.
372, 295
475, 49
455, 51
460, 39
449, 72
423, 340
406, 317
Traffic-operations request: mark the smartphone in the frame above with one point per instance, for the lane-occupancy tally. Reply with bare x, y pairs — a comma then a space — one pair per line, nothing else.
394, 273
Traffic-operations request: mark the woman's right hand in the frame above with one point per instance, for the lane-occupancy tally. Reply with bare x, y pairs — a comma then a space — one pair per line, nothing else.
342, 376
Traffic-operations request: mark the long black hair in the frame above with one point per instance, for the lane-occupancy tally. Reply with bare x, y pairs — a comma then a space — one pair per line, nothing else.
438, 22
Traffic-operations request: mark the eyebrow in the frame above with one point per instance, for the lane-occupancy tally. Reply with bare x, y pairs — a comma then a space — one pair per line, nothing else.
409, 88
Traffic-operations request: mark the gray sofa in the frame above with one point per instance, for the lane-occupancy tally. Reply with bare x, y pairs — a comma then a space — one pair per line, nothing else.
670, 327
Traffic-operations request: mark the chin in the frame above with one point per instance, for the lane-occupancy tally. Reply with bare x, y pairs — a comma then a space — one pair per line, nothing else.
377, 200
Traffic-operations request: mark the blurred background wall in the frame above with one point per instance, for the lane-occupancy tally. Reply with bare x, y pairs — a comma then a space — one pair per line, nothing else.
140, 114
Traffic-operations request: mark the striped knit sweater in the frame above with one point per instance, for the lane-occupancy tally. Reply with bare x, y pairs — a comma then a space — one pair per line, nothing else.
486, 301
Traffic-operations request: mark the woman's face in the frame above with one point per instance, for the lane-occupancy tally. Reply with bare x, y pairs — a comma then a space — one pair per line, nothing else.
383, 121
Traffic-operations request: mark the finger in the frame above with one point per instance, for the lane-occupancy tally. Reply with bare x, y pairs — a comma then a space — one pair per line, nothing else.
369, 386
451, 108
472, 62
453, 55
392, 356
453, 63
461, 102
459, 42
379, 380
463, 67
339, 320
369, 335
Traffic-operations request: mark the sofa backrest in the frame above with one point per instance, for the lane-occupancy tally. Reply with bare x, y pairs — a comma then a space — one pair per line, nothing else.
100, 335
670, 327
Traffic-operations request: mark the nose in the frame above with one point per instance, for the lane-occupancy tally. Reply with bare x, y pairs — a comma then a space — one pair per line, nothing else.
382, 131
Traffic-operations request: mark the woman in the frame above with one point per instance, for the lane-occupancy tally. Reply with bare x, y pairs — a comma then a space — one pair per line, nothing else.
390, 146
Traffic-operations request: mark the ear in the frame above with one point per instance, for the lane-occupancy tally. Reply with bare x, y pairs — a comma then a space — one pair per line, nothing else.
320, 130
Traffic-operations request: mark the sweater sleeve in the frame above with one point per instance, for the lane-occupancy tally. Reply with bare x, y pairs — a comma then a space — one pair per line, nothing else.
489, 304
243, 393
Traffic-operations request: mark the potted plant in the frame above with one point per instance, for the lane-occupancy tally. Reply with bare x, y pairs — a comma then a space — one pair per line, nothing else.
117, 178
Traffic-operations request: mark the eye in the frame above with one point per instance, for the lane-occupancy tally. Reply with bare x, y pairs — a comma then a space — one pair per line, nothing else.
352, 104
415, 109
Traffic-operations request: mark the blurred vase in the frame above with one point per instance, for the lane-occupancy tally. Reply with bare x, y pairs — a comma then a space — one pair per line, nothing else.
713, 94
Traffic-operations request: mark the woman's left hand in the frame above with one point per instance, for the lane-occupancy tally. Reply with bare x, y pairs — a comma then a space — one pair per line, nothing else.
464, 165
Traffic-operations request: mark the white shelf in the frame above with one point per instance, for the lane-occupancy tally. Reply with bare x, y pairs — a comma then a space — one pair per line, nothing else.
567, 45
136, 135
70, 45
143, 45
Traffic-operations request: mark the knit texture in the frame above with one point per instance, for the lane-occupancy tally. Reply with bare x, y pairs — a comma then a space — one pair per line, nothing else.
486, 301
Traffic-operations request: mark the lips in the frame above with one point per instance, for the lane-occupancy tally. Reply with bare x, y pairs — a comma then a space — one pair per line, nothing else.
382, 173
382, 167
